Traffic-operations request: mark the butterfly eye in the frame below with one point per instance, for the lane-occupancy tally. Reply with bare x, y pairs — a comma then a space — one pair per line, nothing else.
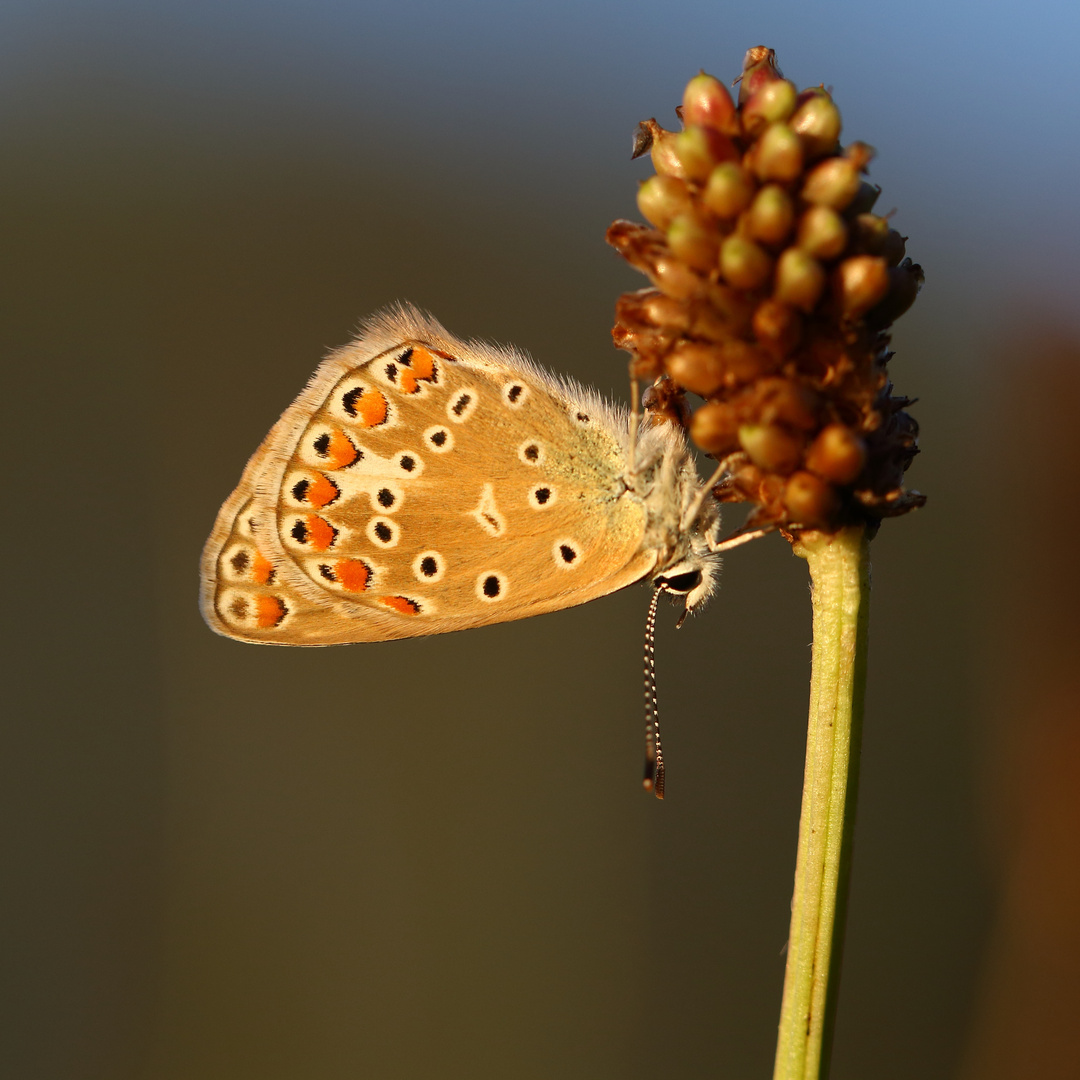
682, 583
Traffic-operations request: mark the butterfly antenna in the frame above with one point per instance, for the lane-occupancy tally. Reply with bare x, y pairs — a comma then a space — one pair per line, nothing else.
654, 752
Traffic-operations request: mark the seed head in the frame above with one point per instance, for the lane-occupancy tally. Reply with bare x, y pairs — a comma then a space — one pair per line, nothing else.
774, 287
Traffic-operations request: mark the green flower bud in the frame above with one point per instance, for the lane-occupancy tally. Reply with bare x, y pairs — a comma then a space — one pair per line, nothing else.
834, 182
729, 190
743, 263
817, 123
771, 215
663, 198
707, 102
822, 232
859, 283
699, 149
778, 154
693, 242
674, 278
771, 447
800, 279
837, 454
771, 103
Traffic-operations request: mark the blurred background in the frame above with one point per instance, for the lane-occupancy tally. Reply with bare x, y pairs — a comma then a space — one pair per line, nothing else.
444, 866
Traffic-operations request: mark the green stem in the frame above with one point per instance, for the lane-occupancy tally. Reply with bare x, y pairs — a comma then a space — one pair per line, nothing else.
840, 577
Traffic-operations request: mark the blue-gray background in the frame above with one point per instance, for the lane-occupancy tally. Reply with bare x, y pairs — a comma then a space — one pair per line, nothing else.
434, 859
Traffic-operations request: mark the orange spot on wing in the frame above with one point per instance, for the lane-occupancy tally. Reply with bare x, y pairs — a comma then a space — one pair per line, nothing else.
352, 574
371, 409
401, 604
340, 450
321, 534
422, 363
445, 355
407, 381
269, 611
321, 491
262, 569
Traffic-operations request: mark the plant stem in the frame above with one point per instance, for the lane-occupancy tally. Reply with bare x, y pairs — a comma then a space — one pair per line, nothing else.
840, 578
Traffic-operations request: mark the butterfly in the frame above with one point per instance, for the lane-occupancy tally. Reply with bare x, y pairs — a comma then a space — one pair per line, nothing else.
421, 484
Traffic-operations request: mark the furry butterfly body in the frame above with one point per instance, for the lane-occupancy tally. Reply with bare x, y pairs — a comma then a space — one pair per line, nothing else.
422, 484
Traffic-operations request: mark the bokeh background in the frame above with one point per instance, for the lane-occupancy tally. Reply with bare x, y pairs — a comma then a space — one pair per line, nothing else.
433, 858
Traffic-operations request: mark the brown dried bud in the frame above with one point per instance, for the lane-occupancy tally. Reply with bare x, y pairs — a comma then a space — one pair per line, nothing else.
771, 215
661, 310
706, 101
660, 143
894, 249
809, 500
822, 232
693, 242
771, 447
905, 281
777, 326
800, 279
817, 123
865, 198
663, 198
837, 454
715, 428
729, 190
859, 283
778, 154
759, 68
769, 104
743, 263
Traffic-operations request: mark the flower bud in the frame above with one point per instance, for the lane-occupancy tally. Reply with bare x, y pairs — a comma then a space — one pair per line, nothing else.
785, 401
777, 326
865, 198
817, 123
771, 215
698, 368
809, 500
834, 182
778, 154
868, 232
661, 310
706, 101
715, 428
770, 103
859, 283
660, 143
743, 263
800, 279
822, 232
771, 447
894, 248
663, 198
729, 190
759, 68
905, 281
743, 362
674, 278
699, 149
692, 242
837, 454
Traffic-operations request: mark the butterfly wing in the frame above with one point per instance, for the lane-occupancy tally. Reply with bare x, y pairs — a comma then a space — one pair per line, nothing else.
419, 485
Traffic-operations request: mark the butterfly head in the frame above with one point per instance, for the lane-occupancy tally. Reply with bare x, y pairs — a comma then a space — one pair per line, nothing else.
683, 518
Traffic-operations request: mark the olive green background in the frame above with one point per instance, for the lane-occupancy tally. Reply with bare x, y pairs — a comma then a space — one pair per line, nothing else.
434, 858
